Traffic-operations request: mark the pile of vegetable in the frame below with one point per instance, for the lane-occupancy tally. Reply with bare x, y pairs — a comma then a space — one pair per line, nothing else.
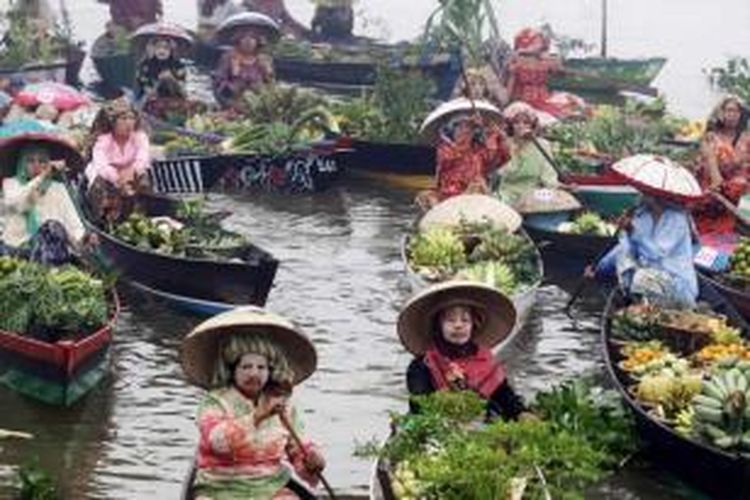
478, 252
739, 262
701, 387
732, 78
448, 451
49, 303
26, 41
197, 236
613, 133
588, 223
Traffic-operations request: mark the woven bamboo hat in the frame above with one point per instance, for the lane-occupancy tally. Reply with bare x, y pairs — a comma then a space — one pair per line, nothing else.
542, 201
460, 107
496, 311
200, 349
471, 208
60, 148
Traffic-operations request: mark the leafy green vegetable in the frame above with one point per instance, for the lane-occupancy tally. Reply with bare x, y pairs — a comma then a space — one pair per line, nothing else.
36, 484
733, 78
592, 224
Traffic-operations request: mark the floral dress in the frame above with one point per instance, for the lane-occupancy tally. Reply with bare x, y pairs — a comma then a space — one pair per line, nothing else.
461, 166
237, 74
732, 159
236, 459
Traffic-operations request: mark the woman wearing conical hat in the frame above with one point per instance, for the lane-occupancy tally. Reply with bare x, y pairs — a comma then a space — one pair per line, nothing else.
451, 328
249, 359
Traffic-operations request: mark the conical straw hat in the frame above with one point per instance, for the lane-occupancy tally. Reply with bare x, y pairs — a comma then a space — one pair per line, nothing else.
659, 176
451, 109
471, 208
498, 315
200, 349
540, 201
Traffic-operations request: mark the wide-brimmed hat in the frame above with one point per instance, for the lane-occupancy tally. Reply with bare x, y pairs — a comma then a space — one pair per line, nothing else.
163, 29
59, 147
417, 318
660, 177
450, 110
248, 21
545, 200
471, 208
200, 349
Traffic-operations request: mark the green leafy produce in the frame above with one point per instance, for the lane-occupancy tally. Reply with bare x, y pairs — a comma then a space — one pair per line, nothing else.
496, 244
36, 484
733, 77
22, 46
280, 104
591, 223
438, 250
50, 303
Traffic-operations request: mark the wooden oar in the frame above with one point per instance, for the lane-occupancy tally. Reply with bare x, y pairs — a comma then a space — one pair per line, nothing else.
584, 281
288, 425
731, 208
548, 157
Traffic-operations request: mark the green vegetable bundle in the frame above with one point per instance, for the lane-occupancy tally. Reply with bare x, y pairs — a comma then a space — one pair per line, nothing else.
50, 303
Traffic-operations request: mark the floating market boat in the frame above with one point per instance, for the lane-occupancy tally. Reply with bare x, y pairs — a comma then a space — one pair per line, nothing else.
603, 193
58, 373
206, 284
603, 74
720, 473
406, 165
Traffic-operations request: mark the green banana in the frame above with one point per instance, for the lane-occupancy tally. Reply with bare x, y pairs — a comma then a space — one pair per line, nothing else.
708, 402
709, 415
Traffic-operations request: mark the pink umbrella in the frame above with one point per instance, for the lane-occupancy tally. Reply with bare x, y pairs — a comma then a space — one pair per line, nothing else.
62, 97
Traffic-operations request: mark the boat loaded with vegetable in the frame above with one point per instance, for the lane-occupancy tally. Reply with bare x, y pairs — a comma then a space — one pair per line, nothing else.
186, 258
474, 237
55, 330
733, 281
686, 376
448, 451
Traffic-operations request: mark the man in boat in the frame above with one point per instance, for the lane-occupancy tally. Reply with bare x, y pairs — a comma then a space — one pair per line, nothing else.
132, 14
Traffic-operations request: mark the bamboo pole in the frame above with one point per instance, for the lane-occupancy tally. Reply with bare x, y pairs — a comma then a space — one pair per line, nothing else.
604, 29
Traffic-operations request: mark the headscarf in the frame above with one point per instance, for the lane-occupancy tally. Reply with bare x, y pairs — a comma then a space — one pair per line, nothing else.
233, 347
527, 37
23, 176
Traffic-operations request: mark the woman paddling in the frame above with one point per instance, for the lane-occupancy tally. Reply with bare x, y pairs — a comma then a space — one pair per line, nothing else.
470, 146
249, 359
724, 164
527, 168
40, 217
245, 67
451, 328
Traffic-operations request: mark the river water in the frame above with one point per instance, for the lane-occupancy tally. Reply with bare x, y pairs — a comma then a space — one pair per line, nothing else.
342, 281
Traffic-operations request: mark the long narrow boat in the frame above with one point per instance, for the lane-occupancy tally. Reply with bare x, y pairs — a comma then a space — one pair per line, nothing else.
565, 251
610, 71
407, 165
244, 275
57, 373
738, 296
722, 474
603, 193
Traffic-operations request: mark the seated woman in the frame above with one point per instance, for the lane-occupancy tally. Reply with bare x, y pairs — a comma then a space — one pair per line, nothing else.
451, 328
527, 168
246, 424
654, 257
39, 213
725, 159
245, 67
160, 63
528, 70
120, 158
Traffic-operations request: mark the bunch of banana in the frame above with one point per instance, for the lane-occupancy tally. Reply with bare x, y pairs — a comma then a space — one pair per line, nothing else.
684, 421
722, 409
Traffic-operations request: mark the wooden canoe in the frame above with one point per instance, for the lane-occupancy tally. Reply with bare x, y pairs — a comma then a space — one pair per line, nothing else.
57, 373
721, 474
609, 71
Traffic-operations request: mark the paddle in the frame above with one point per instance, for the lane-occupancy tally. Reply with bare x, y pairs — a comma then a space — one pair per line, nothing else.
731, 208
288, 425
547, 156
583, 281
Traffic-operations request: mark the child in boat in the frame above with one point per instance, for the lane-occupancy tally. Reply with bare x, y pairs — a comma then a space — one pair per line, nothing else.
245, 67
451, 328
161, 62
242, 357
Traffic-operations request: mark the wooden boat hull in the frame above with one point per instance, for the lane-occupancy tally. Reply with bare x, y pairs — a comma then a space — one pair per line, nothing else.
738, 298
57, 373
632, 71
296, 173
523, 300
570, 253
721, 474
390, 158
604, 194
